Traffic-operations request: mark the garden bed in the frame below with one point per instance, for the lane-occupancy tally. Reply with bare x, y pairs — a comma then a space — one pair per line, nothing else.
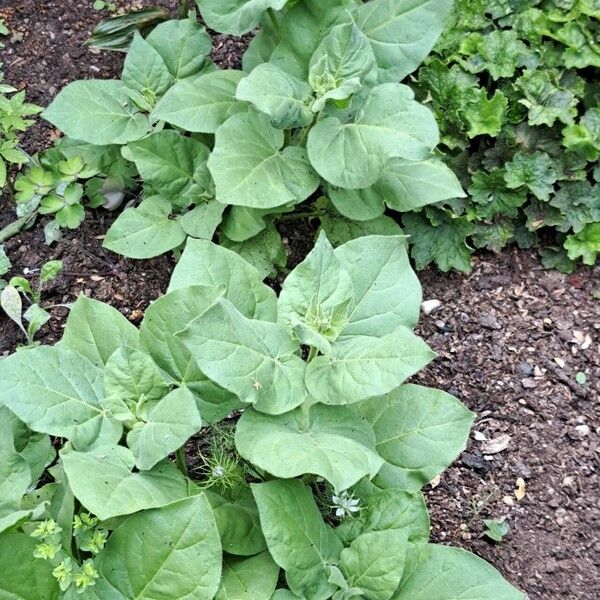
511, 337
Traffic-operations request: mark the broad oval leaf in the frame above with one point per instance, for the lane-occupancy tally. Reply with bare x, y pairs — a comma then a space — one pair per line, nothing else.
22, 576
332, 442
401, 33
387, 292
98, 112
298, 539
256, 360
391, 124
404, 186
250, 169
184, 46
145, 231
201, 104
95, 330
174, 166
419, 432
56, 391
235, 16
115, 489
202, 221
281, 96
162, 320
361, 367
205, 263
253, 578
171, 552
446, 573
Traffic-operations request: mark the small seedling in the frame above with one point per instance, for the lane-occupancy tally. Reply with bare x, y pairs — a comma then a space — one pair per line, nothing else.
496, 529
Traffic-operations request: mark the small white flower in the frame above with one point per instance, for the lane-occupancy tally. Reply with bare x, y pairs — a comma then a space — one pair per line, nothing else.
345, 504
218, 471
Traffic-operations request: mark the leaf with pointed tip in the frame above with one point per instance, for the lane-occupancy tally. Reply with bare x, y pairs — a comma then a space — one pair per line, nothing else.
253, 578
256, 360
328, 441
419, 432
361, 367
298, 539
201, 104
115, 489
202, 221
390, 125
205, 263
98, 112
250, 168
281, 96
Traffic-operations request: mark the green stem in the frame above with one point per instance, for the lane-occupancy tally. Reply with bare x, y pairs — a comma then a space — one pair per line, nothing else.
184, 9
302, 215
181, 464
312, 353
274, 20
16, 226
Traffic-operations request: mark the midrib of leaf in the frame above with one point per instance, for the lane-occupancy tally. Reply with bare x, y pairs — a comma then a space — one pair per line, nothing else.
393, 17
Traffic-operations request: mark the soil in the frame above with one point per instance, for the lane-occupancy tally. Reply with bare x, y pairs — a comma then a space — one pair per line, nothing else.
511, 338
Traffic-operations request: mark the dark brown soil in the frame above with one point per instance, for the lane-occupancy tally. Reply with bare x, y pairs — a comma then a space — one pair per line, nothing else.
511, 337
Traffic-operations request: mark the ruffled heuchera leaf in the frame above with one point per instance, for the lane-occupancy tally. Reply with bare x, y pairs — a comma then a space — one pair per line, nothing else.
490, 192
56, 391
174, 550
419, 432
585, 244
391, 124
251, 169
298, 539
401, 33
98, 112
115, 489
404, 186
535, 171
445, 573
22, 576
236, 17
184, 46
256, 360
253, 578
202, 103
205, 263
281, 96
328, 441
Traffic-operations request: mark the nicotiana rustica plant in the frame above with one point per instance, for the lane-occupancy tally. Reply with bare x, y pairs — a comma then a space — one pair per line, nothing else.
314, 447
316, 118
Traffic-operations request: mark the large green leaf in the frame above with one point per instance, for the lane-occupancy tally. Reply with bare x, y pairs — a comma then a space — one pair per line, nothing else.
253, 578
317, 293
170, 423
172, 552
401, 33
298, 539
184, 46
174, 166
419, 431
391, 124
98, 112
332, 442
205, 263
162, 320
340, 230
388, 509
145, 231
145, 71
251, 169
447, 573
374, 562
256, 360
95, 330
202, 103
361, 367
202, 221
340, 64
387, 293
56, 391
235, 16
23, 577
404, 186
115, 489
281, 96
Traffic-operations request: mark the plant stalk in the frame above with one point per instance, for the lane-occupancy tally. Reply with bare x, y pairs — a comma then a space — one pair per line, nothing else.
181, 464
184, 9
302, 215
274, 20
